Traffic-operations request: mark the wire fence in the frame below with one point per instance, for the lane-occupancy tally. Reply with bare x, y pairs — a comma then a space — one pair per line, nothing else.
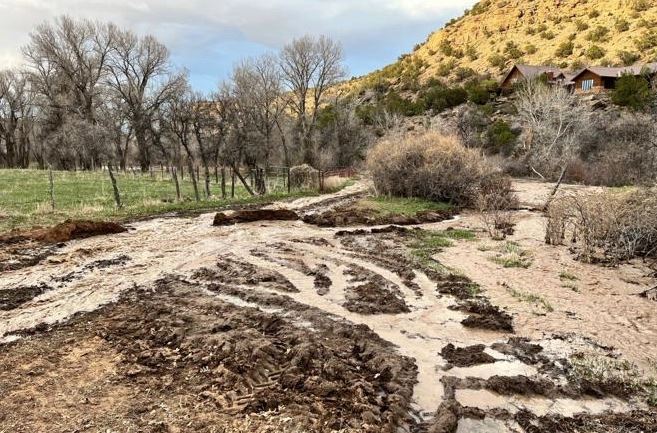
27, 191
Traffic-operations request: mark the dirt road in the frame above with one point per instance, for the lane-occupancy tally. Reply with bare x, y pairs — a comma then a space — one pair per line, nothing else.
180, 326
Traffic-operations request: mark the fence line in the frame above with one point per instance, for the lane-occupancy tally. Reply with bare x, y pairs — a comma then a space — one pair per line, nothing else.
26, 189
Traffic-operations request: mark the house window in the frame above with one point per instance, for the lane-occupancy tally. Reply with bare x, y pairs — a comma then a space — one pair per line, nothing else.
587, 85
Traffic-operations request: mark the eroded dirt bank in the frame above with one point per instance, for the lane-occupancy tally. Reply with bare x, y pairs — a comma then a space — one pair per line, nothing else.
279, 326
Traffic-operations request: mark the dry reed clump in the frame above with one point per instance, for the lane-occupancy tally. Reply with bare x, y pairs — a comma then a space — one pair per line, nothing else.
609, 226
434, 167
334, 182
304, 176
495, 202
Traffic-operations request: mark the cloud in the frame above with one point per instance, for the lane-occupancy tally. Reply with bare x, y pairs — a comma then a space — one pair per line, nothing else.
209, 36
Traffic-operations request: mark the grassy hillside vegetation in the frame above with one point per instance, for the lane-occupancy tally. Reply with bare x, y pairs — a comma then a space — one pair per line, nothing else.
496, 34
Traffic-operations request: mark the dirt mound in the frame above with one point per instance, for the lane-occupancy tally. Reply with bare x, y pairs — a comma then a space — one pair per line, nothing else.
351, 216
24, 248
17, 296
66, 231
466, 356
252, 215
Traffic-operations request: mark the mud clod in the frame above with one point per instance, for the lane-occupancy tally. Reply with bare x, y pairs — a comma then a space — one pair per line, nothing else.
252, 215
372, 298
466, 356
483, 315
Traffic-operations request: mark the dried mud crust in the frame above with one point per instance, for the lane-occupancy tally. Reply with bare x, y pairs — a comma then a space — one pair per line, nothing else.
174, 358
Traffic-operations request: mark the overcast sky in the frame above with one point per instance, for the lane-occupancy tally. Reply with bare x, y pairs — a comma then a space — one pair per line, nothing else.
208, 36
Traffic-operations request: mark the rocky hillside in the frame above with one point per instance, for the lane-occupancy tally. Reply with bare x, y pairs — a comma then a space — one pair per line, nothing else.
496, 34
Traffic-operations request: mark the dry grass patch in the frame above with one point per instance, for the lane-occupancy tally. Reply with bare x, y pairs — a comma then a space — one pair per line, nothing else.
511, 255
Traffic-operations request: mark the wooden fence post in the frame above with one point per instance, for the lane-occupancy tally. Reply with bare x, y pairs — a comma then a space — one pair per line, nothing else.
289, 186
232, 182
117, 196
52, 188
174, 175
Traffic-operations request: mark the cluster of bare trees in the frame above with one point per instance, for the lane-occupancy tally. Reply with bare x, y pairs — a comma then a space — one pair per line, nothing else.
92, 94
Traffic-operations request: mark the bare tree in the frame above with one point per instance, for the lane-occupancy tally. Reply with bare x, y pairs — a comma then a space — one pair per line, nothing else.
140, 72
14, 111
552, 117
72, 51
181, 123
258, 90
310, 66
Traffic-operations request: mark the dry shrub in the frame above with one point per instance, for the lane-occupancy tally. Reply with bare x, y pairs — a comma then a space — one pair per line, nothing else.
304, 176
430, 166
609, 226
495, 201
334, 182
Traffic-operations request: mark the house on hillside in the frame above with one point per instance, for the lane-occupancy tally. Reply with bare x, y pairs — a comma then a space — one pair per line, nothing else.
592, 79
525, 72
597, 79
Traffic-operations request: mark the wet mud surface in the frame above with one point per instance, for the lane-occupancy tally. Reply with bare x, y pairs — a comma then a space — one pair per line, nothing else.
24, 248
280, 326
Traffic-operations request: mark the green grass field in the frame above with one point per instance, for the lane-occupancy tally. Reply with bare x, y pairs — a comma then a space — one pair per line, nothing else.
25, 197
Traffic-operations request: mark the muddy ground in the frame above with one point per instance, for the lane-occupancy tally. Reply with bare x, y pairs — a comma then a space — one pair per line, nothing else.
284, 326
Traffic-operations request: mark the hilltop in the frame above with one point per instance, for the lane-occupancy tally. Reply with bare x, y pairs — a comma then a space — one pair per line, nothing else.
496, 34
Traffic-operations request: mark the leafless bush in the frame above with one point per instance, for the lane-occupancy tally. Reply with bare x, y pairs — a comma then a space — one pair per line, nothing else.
304, 176
610, 226
431, 166
617, 150
495, 201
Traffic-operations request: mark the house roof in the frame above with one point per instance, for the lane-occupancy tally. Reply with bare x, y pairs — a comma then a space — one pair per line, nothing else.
610, 72
530, 71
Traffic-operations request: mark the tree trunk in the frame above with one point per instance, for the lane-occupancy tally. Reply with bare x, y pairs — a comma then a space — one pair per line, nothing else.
142, 148
223, 182
246, 185
194, 183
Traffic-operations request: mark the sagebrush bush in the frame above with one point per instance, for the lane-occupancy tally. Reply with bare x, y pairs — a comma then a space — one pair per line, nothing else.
431, 166
608, 226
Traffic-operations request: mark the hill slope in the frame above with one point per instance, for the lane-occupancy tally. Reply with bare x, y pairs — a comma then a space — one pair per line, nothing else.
496, 34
